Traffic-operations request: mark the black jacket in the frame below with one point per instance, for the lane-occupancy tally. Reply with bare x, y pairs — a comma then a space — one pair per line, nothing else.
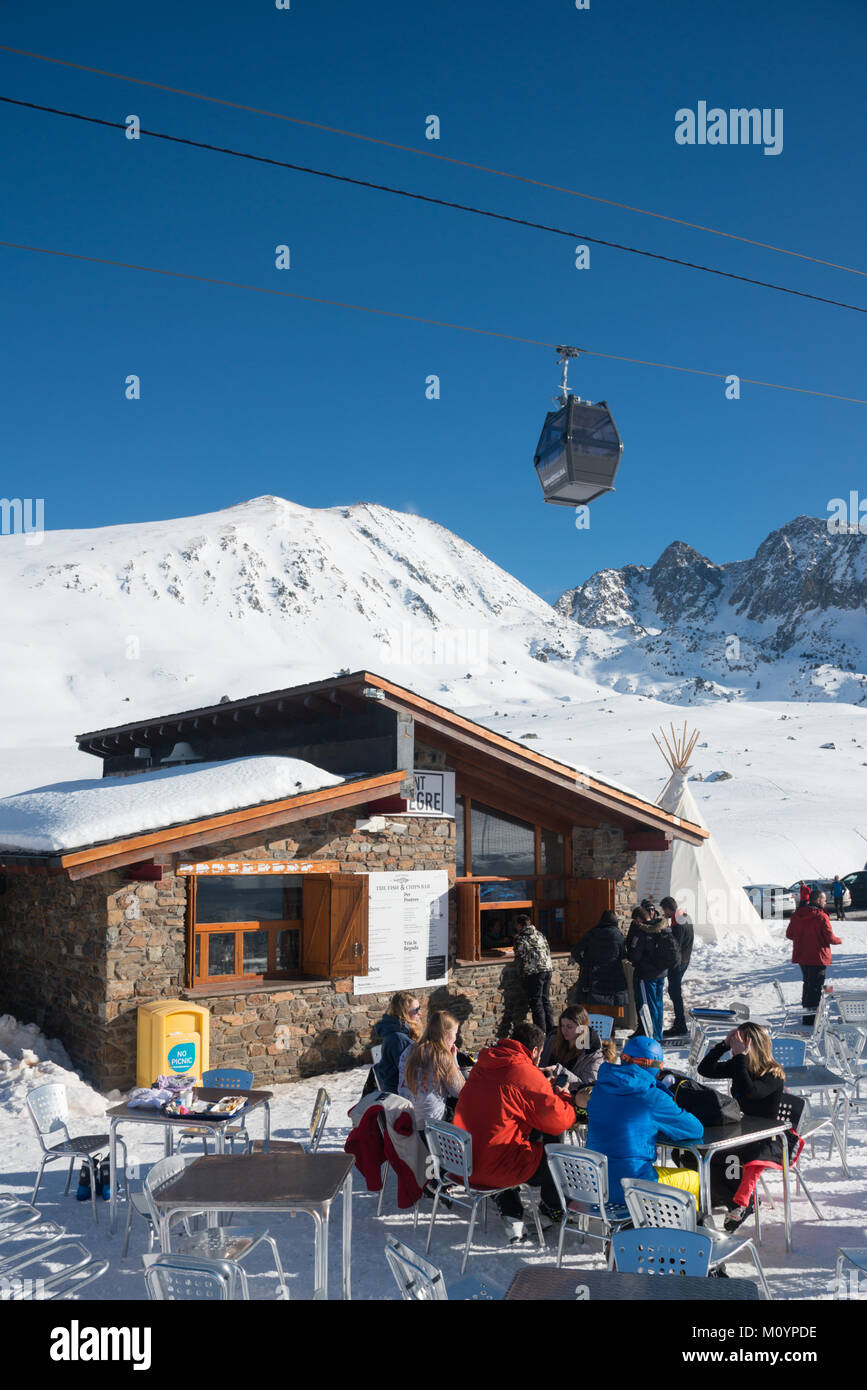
683, 932
599, 954
642, 950
756, 1095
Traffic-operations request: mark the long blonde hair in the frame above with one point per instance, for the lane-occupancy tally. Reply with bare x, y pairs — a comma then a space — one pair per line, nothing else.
760, 1059
431, 1053
398, 1007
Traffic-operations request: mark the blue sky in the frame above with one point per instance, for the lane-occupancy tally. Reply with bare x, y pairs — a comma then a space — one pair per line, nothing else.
246, 394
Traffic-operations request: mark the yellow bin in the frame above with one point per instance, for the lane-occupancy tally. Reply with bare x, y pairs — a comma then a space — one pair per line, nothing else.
173, 1038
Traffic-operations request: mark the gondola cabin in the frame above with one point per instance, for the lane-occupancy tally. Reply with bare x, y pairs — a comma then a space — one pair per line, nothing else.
578, 453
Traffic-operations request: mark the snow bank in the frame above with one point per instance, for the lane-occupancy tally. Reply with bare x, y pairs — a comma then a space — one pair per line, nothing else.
71, 814
28, 1059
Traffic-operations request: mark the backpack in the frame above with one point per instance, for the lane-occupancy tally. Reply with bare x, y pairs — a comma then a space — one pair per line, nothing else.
708, 1105
666, 952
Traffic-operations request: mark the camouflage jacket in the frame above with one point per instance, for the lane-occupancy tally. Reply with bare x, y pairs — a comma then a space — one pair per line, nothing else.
531, 952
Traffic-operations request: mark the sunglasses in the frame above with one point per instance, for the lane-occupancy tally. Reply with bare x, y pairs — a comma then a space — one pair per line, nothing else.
415, 1011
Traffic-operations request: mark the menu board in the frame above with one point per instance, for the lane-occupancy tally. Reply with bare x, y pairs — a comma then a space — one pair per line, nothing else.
408, 932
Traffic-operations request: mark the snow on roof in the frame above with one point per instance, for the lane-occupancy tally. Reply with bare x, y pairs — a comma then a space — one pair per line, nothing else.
69, 815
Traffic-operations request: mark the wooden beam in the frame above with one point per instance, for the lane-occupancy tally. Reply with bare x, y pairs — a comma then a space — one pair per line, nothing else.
230, 825
648, 840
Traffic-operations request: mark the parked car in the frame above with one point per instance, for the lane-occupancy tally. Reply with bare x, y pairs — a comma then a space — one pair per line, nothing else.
857, 886
771, 899
824, 885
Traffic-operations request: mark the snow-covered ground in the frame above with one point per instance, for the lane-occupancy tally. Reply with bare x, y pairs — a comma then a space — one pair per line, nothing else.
717, 975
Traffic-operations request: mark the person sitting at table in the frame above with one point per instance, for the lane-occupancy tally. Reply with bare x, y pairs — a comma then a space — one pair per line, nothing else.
505, 1098
626, 1111
757, 1083
428, 1071
398, 1029
573, 1052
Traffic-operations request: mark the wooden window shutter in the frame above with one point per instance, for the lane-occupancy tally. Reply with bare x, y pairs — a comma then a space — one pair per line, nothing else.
349, 920
334, 933
316, 925
586, 900
469, 921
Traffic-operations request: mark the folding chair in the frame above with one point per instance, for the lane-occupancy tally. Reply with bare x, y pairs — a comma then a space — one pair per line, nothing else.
420, 1281
640, 1252
653, 1204
788, 1008
452, 1151
603, 1024
844, 1044
789, 1052
792, 1109
581, 1179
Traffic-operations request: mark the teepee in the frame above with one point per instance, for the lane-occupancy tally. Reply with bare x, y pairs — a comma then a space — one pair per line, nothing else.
696, 876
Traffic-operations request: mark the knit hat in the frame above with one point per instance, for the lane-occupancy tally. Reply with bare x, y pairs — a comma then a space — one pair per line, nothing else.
647, 1052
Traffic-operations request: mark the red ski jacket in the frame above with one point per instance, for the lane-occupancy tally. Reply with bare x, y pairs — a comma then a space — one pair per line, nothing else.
505, 1097
810, 930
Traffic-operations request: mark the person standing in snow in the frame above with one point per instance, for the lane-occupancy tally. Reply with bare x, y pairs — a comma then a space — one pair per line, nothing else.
804, 895
683, 932
653, 952
533, 959
810, 930
837, 891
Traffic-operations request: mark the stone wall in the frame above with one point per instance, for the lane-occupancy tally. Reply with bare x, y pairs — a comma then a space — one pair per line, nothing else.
79, 957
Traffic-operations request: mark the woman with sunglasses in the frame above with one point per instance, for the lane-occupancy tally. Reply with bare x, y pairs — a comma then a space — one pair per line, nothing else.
399, 1027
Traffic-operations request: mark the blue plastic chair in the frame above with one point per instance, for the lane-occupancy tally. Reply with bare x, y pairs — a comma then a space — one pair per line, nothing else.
789, 1052
224, 1079
603, 1023
658, 1250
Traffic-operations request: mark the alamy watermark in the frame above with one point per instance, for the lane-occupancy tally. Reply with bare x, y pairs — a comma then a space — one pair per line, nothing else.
23, 517
737, 126
847, 517
463, 647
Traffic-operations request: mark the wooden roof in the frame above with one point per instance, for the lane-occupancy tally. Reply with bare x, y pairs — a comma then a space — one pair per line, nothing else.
478, 752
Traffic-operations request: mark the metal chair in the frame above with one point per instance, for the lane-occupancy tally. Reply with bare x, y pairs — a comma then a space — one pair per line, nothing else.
696, 1050
788, 1008
16, 1215
32, 1245
233, 1243
637, 1252
581, 1179
376, 1058
420, 1281
62, 1277
844, 1044
223, 1079
653, 1204
321, 1108
603, 1024
789, 1052
792, 1110
49, 1111
452, 1151
853, 1009
182, 1278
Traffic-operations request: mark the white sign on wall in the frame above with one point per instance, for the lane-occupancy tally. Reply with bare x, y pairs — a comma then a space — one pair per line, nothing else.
434, 794
408, 932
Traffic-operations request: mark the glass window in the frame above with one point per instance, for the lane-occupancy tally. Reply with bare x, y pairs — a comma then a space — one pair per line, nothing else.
258, 898
553, 854
516, 890
221, 953
255, 953
197, 968
498, 928
459, 835
551, 923
501, 844
288, 955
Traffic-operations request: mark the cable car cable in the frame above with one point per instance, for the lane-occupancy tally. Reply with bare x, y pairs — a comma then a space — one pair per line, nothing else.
418, 318
431, 154
439, 202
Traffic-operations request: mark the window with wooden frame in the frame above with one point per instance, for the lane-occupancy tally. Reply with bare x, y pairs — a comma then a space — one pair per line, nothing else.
260, 927
506, 866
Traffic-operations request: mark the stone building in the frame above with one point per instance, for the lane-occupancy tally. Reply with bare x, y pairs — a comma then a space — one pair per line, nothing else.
291, 859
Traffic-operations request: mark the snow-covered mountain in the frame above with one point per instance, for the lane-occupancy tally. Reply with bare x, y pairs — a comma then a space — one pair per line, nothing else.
791, 623
125, 622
